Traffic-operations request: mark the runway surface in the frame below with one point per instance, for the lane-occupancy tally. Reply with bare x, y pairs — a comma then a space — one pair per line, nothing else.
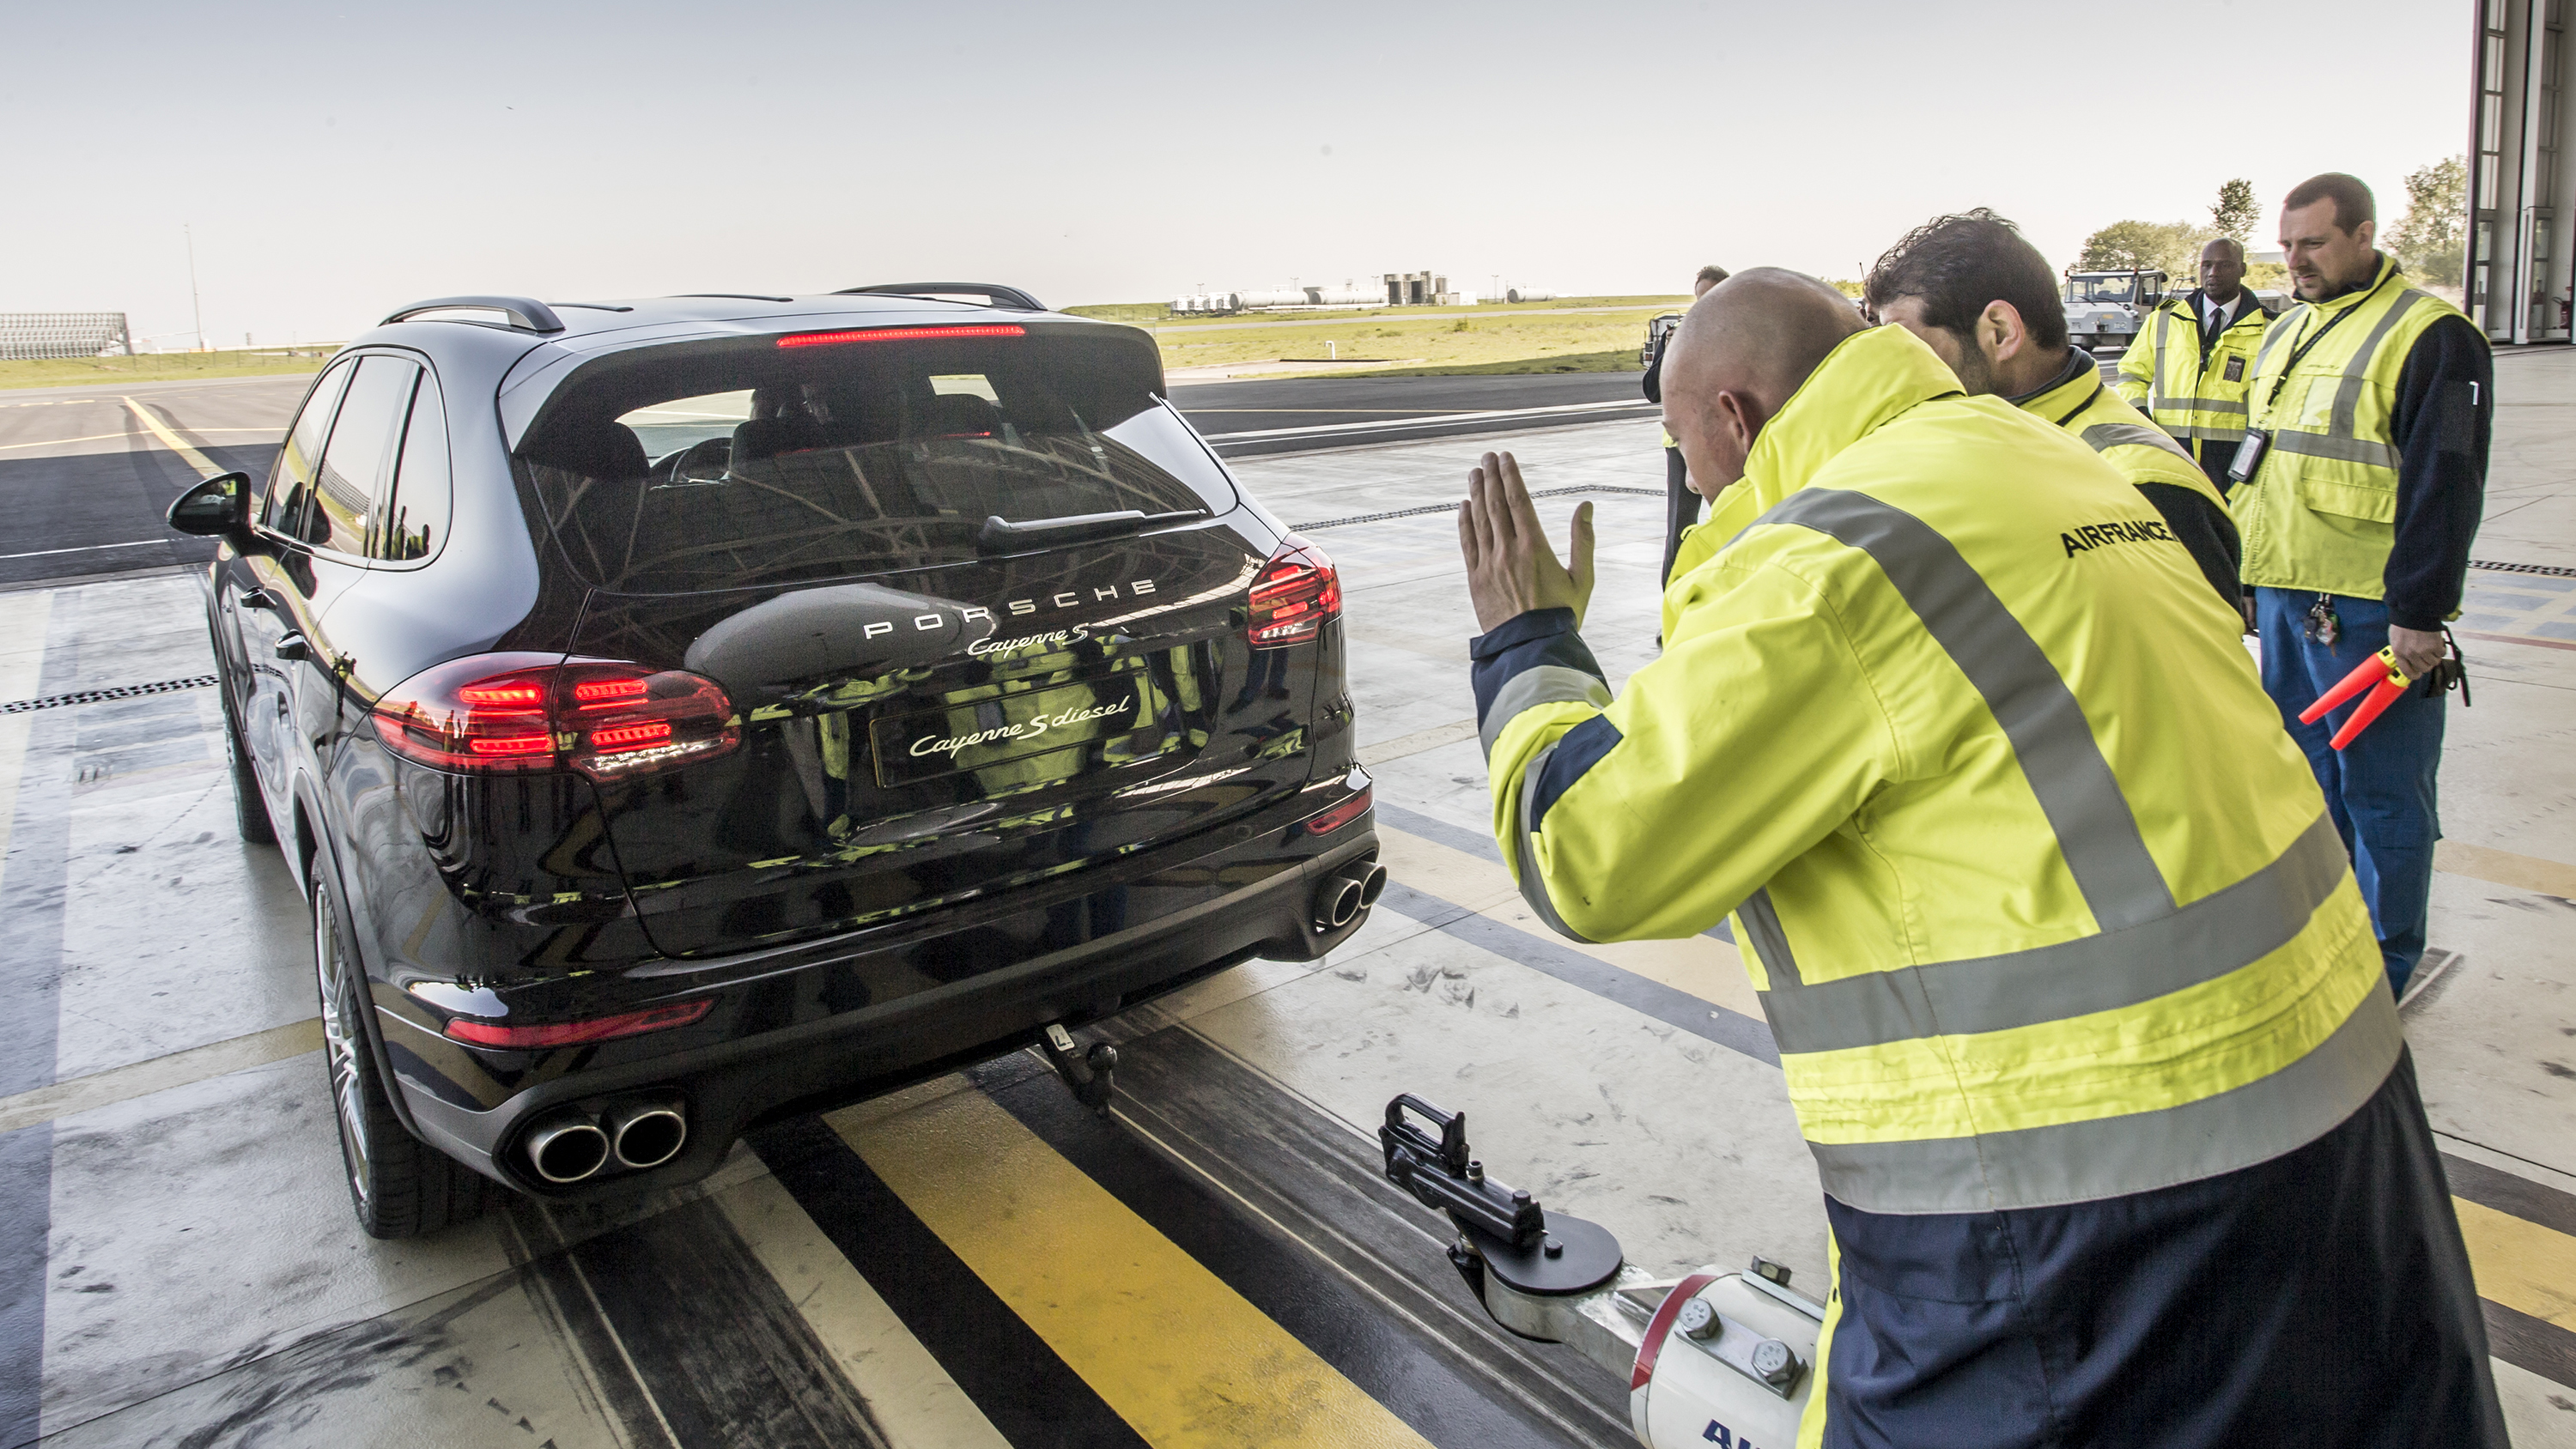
979, 1262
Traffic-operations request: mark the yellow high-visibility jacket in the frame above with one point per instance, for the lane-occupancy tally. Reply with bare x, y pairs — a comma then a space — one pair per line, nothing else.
2200, 401
2320, 511
2154, 464
2043, 905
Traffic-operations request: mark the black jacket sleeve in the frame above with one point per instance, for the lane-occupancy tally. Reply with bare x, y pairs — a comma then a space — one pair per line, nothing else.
1655, 370
2445, 413
2205, 529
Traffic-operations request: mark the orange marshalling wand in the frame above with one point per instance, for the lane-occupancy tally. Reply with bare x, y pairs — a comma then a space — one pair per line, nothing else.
2390, 683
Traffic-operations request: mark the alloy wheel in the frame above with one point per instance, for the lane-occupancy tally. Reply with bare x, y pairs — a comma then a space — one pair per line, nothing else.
342, 1040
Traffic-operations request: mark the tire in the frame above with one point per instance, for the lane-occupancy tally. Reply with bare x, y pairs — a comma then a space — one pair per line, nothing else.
399, 1186
250, 807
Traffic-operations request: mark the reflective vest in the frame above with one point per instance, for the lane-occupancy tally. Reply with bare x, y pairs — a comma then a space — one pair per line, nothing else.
2042, 904
2196, 400
2320, 512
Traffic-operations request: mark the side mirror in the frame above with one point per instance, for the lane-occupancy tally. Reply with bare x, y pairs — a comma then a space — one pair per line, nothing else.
216, 508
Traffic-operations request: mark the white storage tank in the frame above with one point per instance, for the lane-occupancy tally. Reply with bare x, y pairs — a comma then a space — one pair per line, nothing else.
1528, 294
1272, 299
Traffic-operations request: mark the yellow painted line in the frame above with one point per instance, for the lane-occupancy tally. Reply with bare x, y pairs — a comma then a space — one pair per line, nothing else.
2522, 1265
1183, 1358
160, 1074
2503, 867
170, 440
1702, 966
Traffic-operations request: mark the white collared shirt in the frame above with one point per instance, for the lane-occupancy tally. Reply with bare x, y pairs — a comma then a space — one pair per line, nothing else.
2214, 316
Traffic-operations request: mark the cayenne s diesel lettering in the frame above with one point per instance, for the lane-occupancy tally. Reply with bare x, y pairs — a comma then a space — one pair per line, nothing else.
684, 713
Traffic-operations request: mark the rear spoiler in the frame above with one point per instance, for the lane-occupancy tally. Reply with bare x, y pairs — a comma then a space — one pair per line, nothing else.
992, 292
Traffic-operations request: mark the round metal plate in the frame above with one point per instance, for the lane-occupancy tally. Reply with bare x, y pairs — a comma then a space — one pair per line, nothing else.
1590, 1258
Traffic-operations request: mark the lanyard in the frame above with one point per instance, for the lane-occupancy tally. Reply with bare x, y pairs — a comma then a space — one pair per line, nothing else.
2302, 350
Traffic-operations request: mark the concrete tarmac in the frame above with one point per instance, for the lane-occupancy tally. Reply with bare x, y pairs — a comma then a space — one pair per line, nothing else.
978, 1262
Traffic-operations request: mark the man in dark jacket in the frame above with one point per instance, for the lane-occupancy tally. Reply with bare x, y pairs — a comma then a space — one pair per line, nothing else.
1681, 505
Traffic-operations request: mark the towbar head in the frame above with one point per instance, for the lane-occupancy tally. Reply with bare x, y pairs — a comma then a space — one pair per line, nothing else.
1441, 1175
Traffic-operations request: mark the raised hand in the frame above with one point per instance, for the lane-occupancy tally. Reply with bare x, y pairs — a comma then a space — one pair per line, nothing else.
1511, 566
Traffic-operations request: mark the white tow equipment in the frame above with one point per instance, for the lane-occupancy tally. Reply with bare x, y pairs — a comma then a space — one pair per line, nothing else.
1711, 1357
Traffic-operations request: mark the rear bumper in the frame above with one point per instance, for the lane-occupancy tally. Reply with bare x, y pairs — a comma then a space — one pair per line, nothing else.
1253, 898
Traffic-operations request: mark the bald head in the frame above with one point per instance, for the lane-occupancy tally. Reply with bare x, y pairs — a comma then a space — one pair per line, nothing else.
1742, 351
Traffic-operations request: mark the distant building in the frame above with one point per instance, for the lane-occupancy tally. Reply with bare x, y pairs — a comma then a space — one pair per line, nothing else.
1423, 289
2522, 163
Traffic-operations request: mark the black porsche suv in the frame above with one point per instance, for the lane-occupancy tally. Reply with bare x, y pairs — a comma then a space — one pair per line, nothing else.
690, 711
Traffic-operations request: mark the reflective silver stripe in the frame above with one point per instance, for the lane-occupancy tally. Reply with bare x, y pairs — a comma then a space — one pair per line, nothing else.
2215, 405
2230, 436
2138, 1152
2156, 363
2342, 450
1770, 943
1543, 684
2104, 436
1534, 885
2281, 328
2224, 931
2356, 373
2096, 832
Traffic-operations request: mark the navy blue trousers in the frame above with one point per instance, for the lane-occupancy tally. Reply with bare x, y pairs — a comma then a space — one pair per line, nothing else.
2381, 786
2321, 1299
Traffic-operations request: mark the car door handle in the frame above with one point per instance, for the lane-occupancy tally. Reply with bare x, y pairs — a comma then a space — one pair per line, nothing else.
291, 646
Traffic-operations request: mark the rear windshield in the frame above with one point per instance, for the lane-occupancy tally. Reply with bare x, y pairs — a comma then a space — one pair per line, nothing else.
719, 465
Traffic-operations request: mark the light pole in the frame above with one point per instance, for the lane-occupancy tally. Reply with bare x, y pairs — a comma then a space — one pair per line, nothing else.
194, 303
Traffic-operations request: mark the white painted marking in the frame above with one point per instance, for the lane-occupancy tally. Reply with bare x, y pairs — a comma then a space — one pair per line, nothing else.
22, 668
84, 548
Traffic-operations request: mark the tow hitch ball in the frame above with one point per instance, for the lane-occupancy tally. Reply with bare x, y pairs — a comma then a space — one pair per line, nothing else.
1087, 1074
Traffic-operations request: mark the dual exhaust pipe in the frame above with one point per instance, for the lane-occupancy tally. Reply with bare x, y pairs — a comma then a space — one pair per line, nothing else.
635, 1133
1347, 892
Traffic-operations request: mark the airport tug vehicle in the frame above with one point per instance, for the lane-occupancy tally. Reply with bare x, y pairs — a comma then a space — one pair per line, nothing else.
1711, 1357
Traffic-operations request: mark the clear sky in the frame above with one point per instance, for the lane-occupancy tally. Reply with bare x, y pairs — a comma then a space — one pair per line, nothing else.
337, 161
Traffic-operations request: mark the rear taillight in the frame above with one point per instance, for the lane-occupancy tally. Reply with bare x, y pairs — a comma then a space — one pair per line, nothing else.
509, 713
574, 1033
1340, 815
1296, 592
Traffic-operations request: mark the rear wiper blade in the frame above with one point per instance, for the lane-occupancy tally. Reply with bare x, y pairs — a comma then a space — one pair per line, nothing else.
1001, 535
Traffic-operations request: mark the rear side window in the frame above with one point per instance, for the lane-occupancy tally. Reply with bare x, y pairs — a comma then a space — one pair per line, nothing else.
413, 520
358, 461
723, 464
290, 478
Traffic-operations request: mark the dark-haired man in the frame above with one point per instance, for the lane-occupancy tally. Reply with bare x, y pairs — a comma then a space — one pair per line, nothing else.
2372, 400
2193, 359
1986, 302
1681, 505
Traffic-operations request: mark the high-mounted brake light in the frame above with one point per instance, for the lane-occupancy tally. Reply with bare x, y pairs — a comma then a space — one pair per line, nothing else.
902, 334
575, 1033
517, 713
1298, 590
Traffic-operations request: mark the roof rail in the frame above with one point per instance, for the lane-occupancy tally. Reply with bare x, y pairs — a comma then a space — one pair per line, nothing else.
525, 313
1000, 296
